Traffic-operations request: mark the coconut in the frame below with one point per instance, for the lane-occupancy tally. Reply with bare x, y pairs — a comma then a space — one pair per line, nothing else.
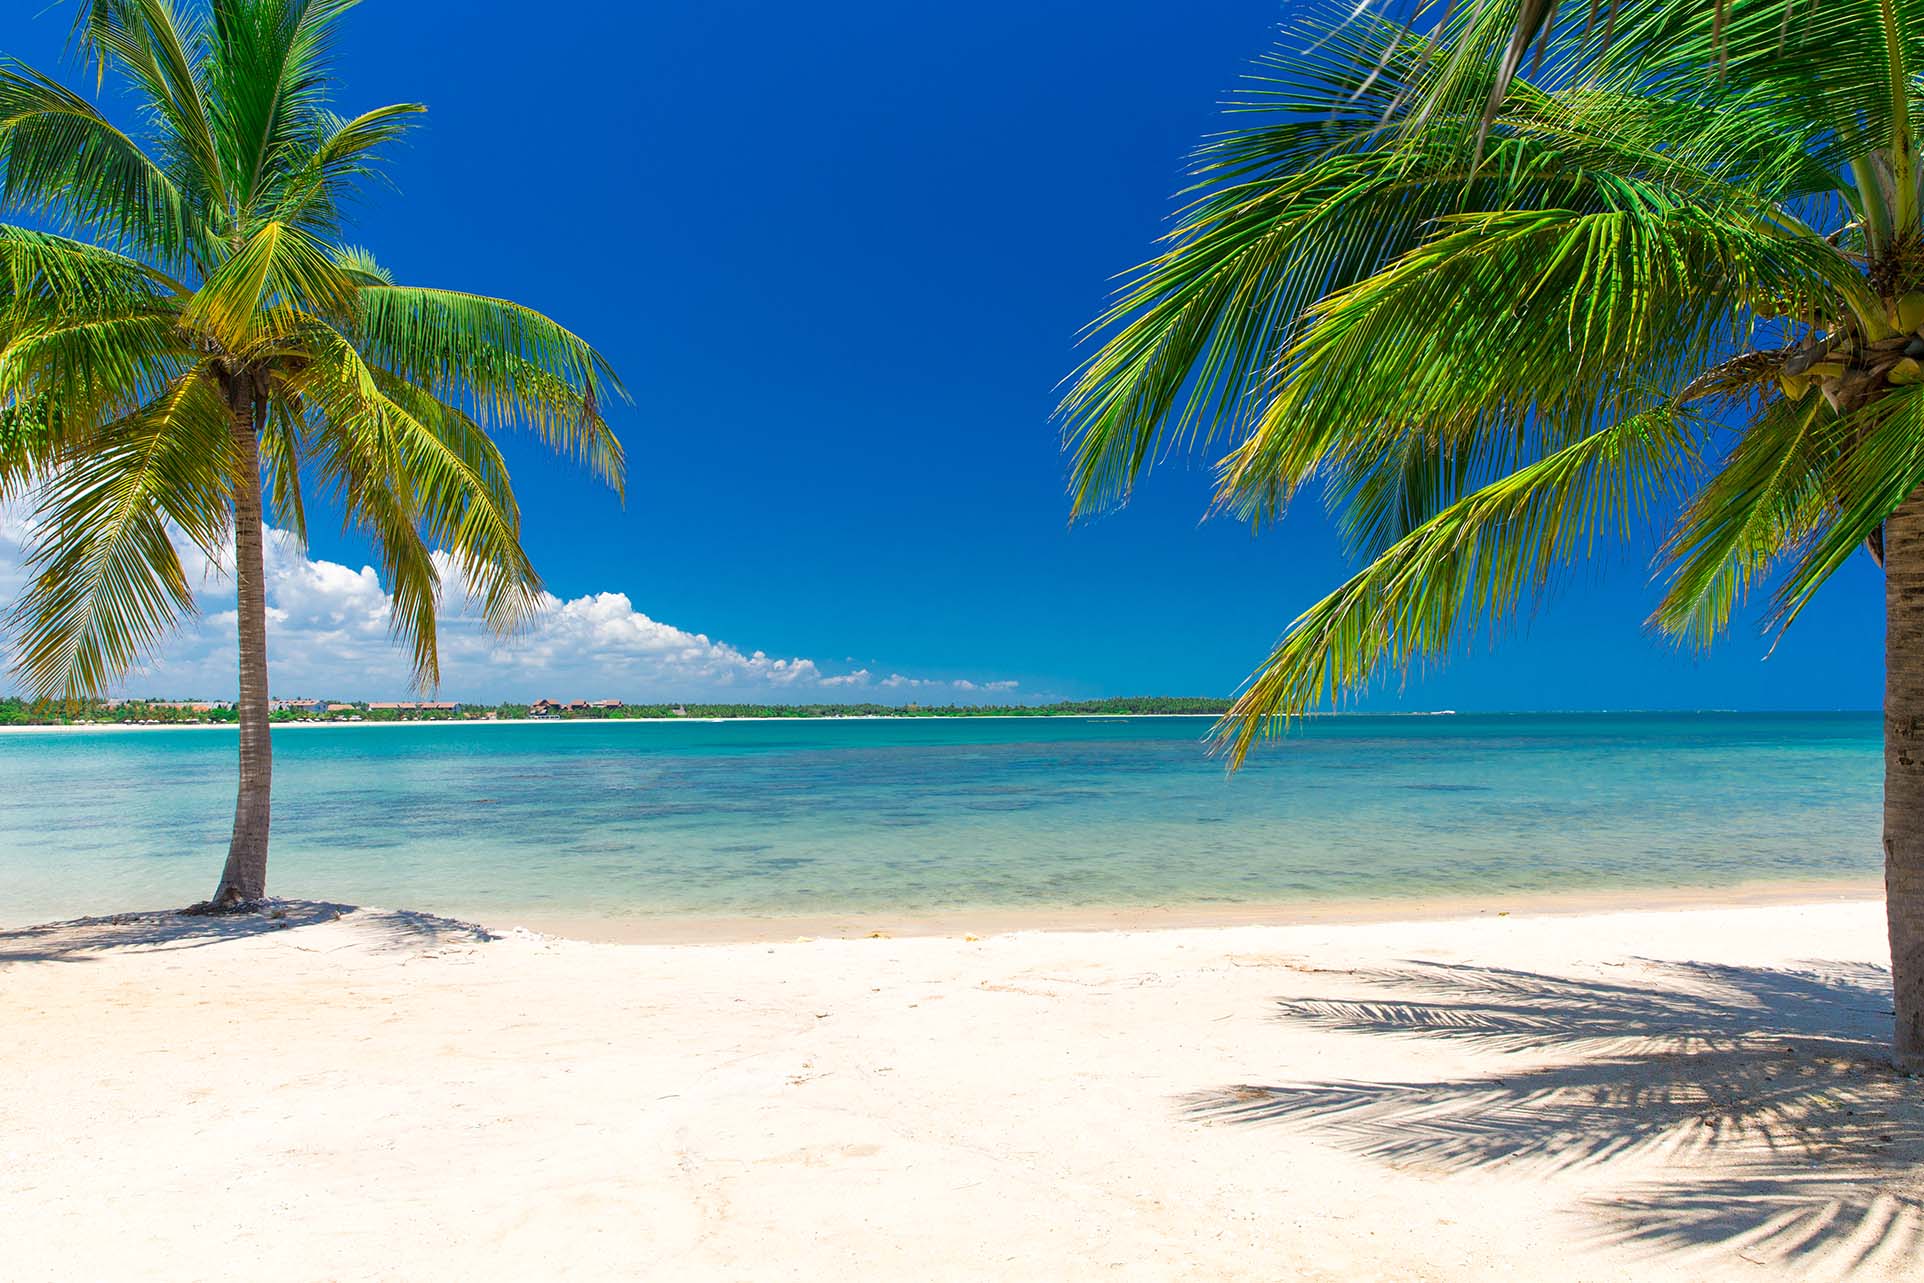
1910, 310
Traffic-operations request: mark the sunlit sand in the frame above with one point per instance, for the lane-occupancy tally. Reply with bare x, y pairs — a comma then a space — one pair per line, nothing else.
1686, 1094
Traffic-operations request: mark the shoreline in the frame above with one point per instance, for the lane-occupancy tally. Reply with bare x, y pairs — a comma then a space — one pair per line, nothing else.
721, 930
1003, 920
988, 921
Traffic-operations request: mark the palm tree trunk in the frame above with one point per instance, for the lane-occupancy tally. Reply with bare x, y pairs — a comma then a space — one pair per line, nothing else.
245, 877
1904, 770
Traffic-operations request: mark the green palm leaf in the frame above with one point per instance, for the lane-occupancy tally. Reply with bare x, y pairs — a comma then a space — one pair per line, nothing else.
1471, 564
106, 581
1763, 504
1552, 318
60, 159
1421, 270
501, 361
154, 43
280, 269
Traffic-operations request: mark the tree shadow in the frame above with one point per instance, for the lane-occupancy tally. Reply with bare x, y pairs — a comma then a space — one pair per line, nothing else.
1766, 1096
85, 939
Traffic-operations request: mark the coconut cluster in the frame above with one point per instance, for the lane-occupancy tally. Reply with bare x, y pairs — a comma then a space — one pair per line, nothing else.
1849, 366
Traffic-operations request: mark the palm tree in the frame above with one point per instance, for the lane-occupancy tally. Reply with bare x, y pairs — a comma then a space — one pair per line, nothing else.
1676, 275
186, 347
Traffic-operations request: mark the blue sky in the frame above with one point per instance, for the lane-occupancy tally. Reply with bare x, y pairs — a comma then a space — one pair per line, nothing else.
840, 254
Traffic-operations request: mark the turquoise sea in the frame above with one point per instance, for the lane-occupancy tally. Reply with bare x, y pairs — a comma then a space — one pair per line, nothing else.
620, 820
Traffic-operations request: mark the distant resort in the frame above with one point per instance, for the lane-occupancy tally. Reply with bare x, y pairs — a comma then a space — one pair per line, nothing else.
167, 712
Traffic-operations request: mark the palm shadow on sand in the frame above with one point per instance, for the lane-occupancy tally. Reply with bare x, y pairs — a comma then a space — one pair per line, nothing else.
84, 939
1768, 1093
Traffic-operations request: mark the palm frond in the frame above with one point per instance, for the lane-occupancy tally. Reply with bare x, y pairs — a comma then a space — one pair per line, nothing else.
48, 274
156, 44
1881, 466
471, 513
361, 266
311, 196
267, 69
501, 362
1765, 502
107, 583
1534, 319
362, 465
62, 161
424, 458
1473, 563
279, 267
91, 329
29, 440
1334, 172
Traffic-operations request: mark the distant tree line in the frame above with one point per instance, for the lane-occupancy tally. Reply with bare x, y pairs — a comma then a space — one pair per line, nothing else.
15, 711
1162, 704
19, 712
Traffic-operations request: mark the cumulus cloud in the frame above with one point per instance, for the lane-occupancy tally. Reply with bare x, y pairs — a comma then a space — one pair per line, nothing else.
328, 636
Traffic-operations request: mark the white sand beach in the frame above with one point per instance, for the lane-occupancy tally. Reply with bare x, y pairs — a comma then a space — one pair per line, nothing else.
1686, 1094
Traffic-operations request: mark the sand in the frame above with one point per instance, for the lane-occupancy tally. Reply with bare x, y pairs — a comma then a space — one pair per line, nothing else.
1686, 1094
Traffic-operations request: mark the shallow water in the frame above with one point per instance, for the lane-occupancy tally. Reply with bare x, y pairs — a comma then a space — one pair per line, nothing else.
590, 819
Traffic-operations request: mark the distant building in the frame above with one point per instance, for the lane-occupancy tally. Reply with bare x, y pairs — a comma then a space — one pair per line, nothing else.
342, 708
607, 703
576, 706
543, 708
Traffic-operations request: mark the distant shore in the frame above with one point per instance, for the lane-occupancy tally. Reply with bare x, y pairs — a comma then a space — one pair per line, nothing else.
1328, 715
622, 721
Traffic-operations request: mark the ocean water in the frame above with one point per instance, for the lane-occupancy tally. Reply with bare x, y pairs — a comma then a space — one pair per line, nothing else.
623, 820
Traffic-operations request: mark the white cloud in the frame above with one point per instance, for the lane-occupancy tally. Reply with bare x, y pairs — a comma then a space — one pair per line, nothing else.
328, 637
13, 536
